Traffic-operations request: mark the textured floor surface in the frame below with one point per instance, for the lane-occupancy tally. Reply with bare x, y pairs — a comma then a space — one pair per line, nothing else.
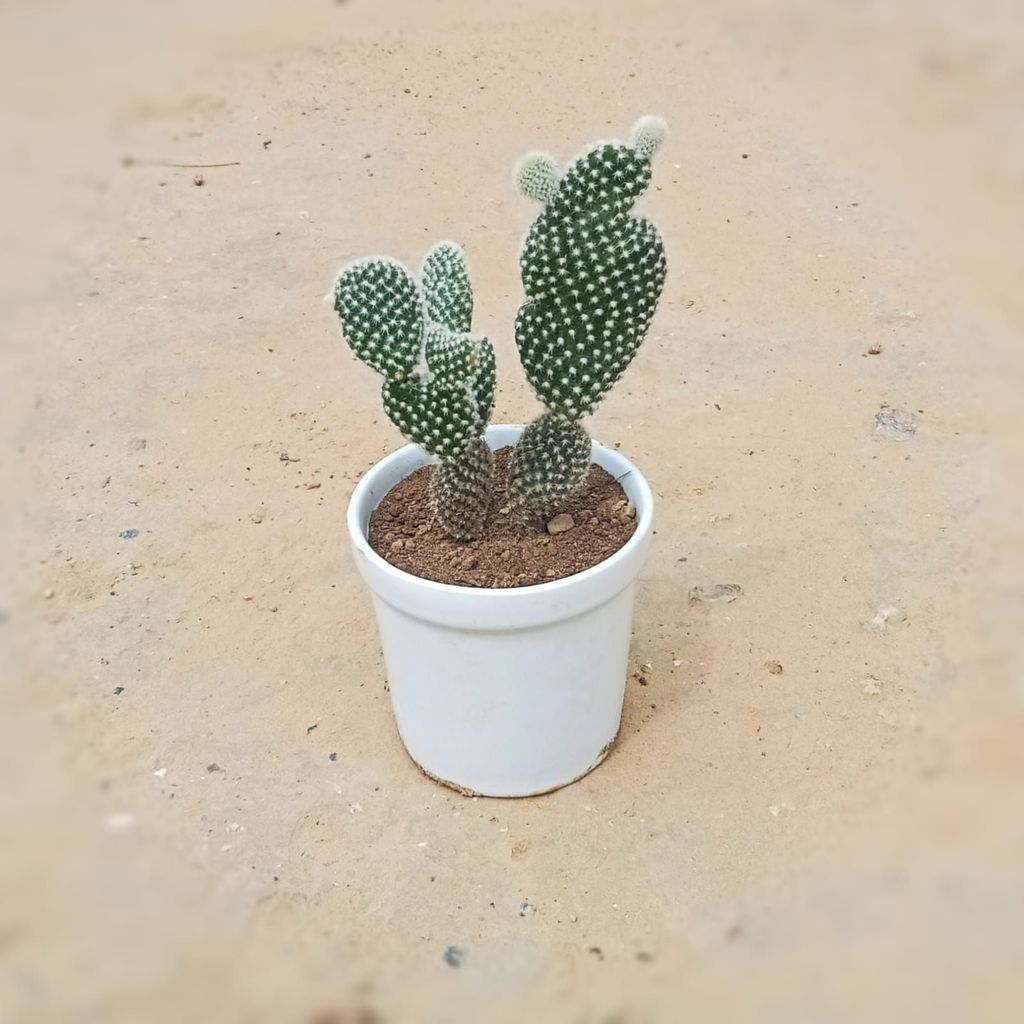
207, 812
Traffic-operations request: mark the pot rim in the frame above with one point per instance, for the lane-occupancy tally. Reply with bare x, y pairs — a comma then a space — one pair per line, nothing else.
644, 509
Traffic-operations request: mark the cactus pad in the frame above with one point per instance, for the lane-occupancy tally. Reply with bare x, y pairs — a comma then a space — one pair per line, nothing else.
593, 274
550, 461
446, 287
460, 491
380, 306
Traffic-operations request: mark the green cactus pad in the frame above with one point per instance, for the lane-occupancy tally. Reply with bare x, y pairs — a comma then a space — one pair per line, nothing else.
537, 176
550, 461
441, 417
593, 274
483, 381
461, 491
648, 134
450, 357
447, 406
381, 314
446, 287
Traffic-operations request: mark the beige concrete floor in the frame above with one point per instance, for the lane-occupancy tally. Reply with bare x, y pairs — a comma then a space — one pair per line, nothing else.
841, 841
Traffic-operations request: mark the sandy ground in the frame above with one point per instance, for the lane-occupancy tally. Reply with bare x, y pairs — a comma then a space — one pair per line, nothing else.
841, 841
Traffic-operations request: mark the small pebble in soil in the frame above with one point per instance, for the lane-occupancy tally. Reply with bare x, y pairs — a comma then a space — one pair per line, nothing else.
214, 767
454, 955
118, 690
875, 350
895, 424
526, 907
775, 667
714, 593
332, 757
129, 534
561, 524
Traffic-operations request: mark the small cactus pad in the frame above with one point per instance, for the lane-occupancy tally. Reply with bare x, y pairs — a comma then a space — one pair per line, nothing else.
648, 134
550, 461
381, 314
450, 357
537, 176
446, 287
460, 490
444, 412
483, 381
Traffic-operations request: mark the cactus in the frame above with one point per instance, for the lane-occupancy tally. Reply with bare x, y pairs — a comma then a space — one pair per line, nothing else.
593, 274
439, 378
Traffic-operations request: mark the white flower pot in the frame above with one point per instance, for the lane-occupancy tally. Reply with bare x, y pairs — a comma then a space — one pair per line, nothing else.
504, 692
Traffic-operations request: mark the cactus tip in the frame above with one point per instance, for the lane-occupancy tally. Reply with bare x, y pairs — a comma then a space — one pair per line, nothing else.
537, 176
648, 134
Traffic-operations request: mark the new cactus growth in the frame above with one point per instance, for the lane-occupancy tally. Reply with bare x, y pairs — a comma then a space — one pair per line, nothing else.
593, 274
439, 378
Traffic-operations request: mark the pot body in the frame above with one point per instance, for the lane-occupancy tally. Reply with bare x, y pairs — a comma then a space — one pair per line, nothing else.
508, 692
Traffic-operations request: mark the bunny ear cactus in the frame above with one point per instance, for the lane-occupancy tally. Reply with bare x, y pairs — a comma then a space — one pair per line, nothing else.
446, 287
439, 378
593, 273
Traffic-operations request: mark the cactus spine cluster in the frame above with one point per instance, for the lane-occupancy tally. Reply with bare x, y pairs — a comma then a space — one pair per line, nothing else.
592, 272
439, 378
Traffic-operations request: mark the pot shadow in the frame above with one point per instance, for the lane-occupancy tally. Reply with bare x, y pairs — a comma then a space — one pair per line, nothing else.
666, 630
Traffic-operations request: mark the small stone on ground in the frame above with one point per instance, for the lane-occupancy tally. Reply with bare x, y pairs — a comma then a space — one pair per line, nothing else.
895, 424
560, 524
716, 593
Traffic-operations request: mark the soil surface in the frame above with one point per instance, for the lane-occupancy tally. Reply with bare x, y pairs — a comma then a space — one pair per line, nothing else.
510, 552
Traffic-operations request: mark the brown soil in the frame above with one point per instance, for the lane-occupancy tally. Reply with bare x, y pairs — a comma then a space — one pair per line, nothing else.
510, 553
